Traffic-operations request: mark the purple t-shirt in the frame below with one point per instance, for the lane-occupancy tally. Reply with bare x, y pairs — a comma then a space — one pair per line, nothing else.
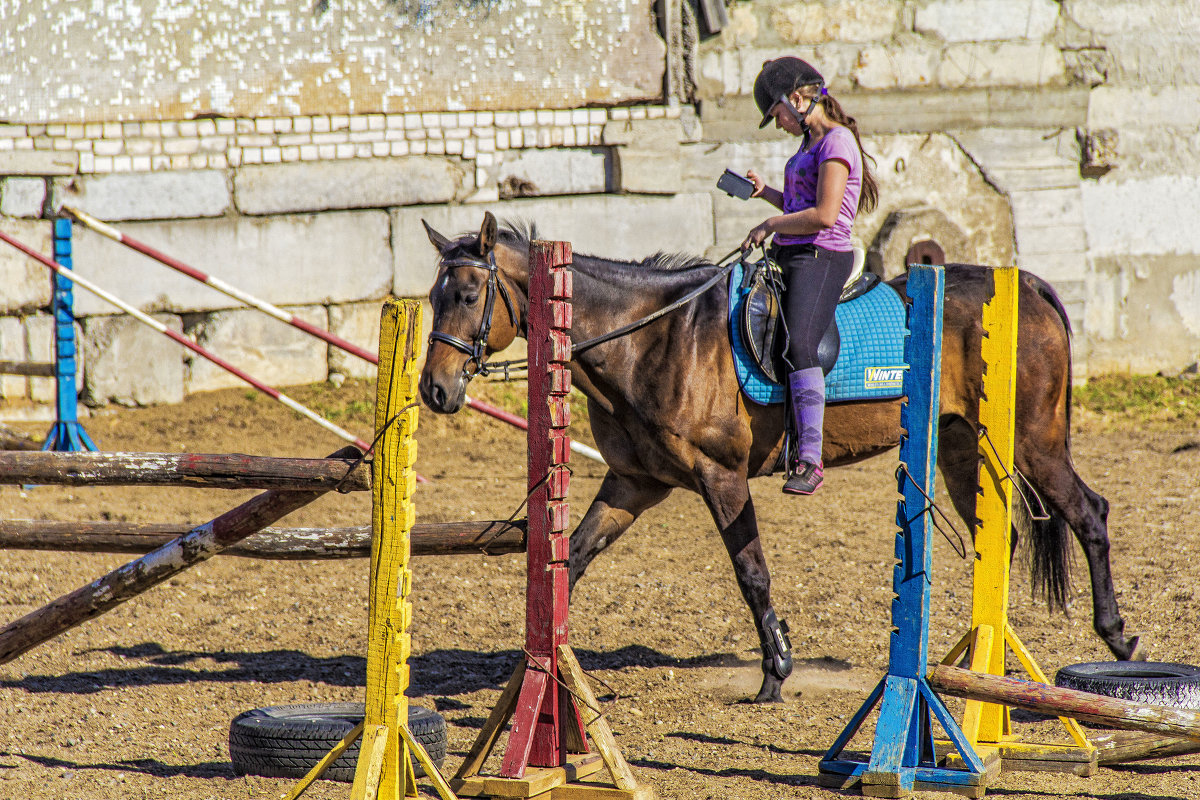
800, 188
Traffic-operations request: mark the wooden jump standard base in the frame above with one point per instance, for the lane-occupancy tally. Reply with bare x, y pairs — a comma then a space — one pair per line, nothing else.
496, 537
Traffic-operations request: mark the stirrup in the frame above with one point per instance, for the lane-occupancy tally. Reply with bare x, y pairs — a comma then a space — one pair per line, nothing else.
806, 479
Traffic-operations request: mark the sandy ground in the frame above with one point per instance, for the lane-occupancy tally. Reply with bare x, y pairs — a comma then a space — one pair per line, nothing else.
137, 703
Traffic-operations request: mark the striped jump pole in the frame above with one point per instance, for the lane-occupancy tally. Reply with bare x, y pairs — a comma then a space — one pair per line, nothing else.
213, 282
146, 319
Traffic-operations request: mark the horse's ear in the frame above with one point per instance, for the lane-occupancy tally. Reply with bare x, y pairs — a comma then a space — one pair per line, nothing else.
435, 238
488, 234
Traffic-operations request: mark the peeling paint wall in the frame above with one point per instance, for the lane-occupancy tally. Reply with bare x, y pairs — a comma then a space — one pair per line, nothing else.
87, 61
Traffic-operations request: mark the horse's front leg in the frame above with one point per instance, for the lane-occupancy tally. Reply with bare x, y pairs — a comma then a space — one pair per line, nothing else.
727, 495
620, 501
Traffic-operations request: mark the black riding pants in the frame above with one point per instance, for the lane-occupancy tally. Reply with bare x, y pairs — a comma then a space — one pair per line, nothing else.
813, 279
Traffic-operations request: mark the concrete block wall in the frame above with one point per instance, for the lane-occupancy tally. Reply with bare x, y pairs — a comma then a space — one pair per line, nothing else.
326, 235
1059, 136
1143, 257
78, 62
1080, 115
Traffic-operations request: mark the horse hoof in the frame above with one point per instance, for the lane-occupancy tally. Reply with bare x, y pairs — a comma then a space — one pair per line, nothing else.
1136, 651
771, 691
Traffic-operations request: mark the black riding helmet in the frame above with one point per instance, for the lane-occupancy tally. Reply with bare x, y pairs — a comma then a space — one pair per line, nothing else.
778, 79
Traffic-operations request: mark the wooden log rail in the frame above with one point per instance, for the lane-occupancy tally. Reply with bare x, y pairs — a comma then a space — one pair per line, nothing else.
15, 440
1084, 706
34, 369
296, 544
109, 591
199, 470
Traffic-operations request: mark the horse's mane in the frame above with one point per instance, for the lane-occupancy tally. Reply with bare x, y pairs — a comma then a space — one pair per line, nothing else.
519, 233
672, 262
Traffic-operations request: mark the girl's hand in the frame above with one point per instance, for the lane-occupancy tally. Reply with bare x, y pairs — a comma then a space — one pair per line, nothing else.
759, 183
757, 235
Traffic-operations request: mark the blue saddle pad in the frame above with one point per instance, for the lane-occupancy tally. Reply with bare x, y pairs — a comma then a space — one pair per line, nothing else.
870, 364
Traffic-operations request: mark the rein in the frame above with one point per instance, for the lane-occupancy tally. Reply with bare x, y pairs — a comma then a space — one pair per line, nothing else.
644, 321
477, 349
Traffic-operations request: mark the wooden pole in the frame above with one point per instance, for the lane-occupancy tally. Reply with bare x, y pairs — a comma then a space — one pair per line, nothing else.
16, 440
37, 369
137, 576
1084, 706
222, 471
389, 775
497, 537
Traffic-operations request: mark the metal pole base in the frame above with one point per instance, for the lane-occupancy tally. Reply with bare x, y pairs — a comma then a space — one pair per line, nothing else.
68, 437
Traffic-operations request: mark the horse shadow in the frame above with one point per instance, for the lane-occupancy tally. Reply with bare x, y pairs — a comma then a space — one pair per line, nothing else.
439, 673
144, 766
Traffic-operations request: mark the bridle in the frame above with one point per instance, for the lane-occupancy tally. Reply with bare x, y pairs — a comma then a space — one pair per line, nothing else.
477, 349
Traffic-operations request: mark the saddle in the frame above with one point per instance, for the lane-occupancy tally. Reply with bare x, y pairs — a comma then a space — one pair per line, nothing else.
765, 337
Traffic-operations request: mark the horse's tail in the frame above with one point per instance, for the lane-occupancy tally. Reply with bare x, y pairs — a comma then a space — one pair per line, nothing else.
1047, 293
1051, 549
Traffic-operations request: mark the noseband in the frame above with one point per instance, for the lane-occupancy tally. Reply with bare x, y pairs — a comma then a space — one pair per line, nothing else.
477, 350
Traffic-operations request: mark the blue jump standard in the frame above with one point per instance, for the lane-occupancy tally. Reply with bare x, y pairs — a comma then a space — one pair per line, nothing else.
902, 757
67, 434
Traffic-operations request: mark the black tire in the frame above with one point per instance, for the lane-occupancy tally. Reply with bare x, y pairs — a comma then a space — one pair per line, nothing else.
288, 741
1149, 682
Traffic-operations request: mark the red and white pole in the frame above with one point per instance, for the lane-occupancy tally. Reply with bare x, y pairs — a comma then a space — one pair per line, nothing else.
104, 229
186, 342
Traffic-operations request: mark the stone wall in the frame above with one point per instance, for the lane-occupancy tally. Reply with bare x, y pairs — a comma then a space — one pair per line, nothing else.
1081, 114
1058, 136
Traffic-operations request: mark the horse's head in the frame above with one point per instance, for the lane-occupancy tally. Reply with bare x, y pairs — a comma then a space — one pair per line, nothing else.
474, 313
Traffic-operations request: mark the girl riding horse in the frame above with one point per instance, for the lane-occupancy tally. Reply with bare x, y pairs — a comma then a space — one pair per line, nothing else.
667, 412
826, 183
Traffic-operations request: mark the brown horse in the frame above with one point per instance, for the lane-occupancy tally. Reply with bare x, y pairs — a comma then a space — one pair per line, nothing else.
666, 410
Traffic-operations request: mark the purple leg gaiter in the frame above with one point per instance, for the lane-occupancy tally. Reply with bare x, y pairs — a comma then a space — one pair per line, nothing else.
808, 408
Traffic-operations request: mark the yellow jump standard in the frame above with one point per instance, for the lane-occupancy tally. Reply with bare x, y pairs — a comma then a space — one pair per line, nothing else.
384, 767
988, 725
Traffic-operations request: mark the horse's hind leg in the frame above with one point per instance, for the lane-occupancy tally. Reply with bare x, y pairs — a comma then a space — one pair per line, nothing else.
618, 503
1086, 512
1069, 503
728, 498
958, 459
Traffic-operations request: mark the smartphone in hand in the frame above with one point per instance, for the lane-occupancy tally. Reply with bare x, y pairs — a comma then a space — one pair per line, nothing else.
735, 185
